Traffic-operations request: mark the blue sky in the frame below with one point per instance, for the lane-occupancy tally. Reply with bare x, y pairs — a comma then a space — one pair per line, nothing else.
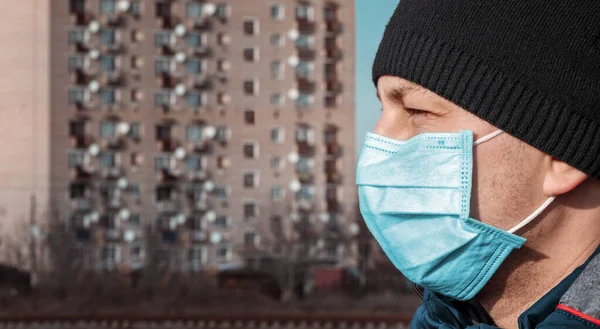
372, 15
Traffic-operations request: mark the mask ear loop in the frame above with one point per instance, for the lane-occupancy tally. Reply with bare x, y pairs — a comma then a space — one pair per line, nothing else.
532, 216
488, 137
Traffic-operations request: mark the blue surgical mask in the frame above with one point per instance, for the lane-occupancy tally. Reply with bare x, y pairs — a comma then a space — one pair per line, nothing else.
415, 196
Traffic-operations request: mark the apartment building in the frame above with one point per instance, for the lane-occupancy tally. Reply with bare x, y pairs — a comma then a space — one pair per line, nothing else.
210, 128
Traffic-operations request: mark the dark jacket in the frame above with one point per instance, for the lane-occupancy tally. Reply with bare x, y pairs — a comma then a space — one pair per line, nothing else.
574, 303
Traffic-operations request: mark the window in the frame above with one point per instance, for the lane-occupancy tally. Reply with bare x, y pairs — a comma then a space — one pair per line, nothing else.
251, 86
108, 128
277, 40
77, 95
249, 117
77, 191
135, 8
194, 9
223, 252
304, 134
222, 222
163, 39
108, 96
112, 255
76, 159
136, 252
330, 136
135, 219
194, 162
223, 11
162, 162
276, 225
76, 6
194, 66
198, 257
276, 99
276, 163
108, 160
163, 98
330, 71
107, 63
164, 193
277, 12
330, 12
250, 239
77, 128
194, 132
304, 164
276, 193
137, 62
277, 70
331, 101
304, 70
222, 192
195, 39
108, 37
305, 11
135, 130
305, 100
223, 134
136, 159
250, 179
304, 41
223, 162
251, 26
77, 62
163, 132
277, 135
195, 99
251, 54
107, 7
306, 193
332, 193
163, 65
134, 190
77, 35
250, 210
163, 9
251, 150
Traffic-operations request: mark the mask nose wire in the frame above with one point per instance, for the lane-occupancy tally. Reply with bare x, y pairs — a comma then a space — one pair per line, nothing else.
488, 137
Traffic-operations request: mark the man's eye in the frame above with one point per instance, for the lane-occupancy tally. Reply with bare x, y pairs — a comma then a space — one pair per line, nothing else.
417, 112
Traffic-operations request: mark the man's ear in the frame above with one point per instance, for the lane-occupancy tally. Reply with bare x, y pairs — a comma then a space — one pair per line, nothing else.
561, 178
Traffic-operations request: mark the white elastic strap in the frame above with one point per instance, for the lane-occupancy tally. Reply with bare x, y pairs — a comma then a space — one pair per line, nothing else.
533, 216
488, 137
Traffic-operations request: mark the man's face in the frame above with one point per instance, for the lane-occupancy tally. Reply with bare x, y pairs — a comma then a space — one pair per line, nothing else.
507, 175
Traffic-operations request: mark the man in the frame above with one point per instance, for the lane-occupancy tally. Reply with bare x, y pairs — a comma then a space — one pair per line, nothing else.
480, 181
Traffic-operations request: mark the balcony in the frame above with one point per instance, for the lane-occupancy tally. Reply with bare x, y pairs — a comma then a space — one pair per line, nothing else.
334, 87
333, 53
306, 86
333, 150
306, 149
81, 18
81, 78
333, 26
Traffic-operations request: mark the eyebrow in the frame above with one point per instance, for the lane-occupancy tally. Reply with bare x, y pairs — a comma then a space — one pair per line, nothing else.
400, 91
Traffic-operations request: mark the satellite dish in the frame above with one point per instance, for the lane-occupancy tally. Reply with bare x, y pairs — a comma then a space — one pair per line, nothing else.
94, 54
94, 150
293, 61
123, 5
180, 57
293, 157
320, 243
180, 30
180, 153
173, 223
94, 216
180, 89
295, 185
294, 217
209, 8
180, 218
209, 132
293, 94
324, 217
94, 86
210, 216
124, 214
94, 26
86, 222
123, 128
293, 34
354, 229
35, 231
122, 183
208, 186
129, 235
215, 237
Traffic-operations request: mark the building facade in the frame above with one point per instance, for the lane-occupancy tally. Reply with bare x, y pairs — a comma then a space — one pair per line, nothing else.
209, 128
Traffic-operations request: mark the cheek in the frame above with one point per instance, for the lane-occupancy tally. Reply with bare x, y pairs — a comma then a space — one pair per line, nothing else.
506, 184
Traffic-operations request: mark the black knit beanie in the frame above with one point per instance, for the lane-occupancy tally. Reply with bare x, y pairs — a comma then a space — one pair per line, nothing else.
529, 67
